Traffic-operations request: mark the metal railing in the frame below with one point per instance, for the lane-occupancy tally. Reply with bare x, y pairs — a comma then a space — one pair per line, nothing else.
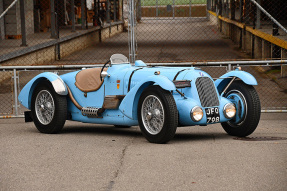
268, 15
273, 96
8, 8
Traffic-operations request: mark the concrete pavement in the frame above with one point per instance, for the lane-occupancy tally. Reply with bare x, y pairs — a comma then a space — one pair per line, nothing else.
101, 157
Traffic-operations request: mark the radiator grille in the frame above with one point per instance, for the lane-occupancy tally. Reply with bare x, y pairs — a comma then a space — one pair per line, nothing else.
207, 92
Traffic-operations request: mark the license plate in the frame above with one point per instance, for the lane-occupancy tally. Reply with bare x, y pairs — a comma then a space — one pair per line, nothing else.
212, 115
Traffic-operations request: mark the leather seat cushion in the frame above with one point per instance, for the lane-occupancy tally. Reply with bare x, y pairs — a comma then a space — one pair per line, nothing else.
88, 80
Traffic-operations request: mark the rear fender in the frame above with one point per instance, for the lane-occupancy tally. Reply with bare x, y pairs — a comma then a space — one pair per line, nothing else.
129, 104
246, 77
58, 84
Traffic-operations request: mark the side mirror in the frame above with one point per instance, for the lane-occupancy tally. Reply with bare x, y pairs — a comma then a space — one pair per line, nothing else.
104, 74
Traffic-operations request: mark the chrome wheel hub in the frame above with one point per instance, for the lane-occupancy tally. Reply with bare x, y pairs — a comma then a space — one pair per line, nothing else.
152, 113
44, 107
238, 99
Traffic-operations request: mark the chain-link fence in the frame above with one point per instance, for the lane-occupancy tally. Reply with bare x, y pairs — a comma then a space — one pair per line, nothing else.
271, 87
37, 32
34, 32
198, 30
65, 32
6, 93
256, 26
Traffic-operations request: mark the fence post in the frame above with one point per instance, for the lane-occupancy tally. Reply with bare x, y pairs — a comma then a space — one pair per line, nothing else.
189, 8
173, 7
53, 20
139, 11
156, 8
15, 92
2, 24
73, 15
229, 68
83, 14
208, 8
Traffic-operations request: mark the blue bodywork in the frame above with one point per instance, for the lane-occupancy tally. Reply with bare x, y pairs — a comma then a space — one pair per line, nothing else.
138, 77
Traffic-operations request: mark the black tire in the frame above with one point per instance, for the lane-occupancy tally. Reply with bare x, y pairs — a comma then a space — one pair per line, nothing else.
122, 126
250, 119
59, 103
170, 115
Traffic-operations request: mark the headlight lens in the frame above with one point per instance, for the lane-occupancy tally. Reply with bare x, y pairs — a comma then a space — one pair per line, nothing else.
196, 113
229, 110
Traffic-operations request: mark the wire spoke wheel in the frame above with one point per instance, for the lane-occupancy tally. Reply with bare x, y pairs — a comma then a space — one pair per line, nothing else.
49, 110
152, 114
157, 114
44, 107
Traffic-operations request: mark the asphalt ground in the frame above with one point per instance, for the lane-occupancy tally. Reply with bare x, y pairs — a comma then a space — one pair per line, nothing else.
101, 157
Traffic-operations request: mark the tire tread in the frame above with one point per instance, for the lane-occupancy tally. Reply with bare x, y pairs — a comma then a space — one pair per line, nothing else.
171, 121
253, 112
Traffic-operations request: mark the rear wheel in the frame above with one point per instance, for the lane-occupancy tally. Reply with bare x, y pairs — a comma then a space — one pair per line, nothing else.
157, 114
248, 109
49, 110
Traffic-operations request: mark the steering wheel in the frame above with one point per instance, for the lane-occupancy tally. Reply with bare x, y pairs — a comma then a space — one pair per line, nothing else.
103, 69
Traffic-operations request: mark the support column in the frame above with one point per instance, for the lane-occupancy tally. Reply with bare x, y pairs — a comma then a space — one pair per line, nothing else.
115, 11
266, 50
208, 7
283, 67
258, 16
23, 23
53, 20
36, 12
83, 15
108, 17
232, 7
73, 15
2, 24
241, 10
248, 42
139, 11
224, 11
227, 8
258, 48
247, 5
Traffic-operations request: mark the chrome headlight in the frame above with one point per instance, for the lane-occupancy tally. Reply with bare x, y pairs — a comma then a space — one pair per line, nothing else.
229, 110
196, 113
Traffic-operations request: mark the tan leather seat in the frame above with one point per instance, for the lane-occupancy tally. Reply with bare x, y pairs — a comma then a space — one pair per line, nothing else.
88, 80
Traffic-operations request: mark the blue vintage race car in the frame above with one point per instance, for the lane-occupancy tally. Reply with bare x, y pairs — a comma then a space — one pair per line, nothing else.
158, 99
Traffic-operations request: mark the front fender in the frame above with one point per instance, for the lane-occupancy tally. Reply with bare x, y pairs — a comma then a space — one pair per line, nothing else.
56, 81
246, 77
130, 103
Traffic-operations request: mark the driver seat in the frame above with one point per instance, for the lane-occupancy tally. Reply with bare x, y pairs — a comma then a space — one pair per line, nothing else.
88, 80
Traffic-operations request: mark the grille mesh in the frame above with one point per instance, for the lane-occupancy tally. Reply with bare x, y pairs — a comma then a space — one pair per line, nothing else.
206, 91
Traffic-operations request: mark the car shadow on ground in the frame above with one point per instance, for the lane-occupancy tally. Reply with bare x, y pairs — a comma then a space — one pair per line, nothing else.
210, 136
135, 132
102, 130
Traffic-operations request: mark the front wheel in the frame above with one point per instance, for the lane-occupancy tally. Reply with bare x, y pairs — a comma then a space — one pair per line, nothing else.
157, 114
49, 110
248, 109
